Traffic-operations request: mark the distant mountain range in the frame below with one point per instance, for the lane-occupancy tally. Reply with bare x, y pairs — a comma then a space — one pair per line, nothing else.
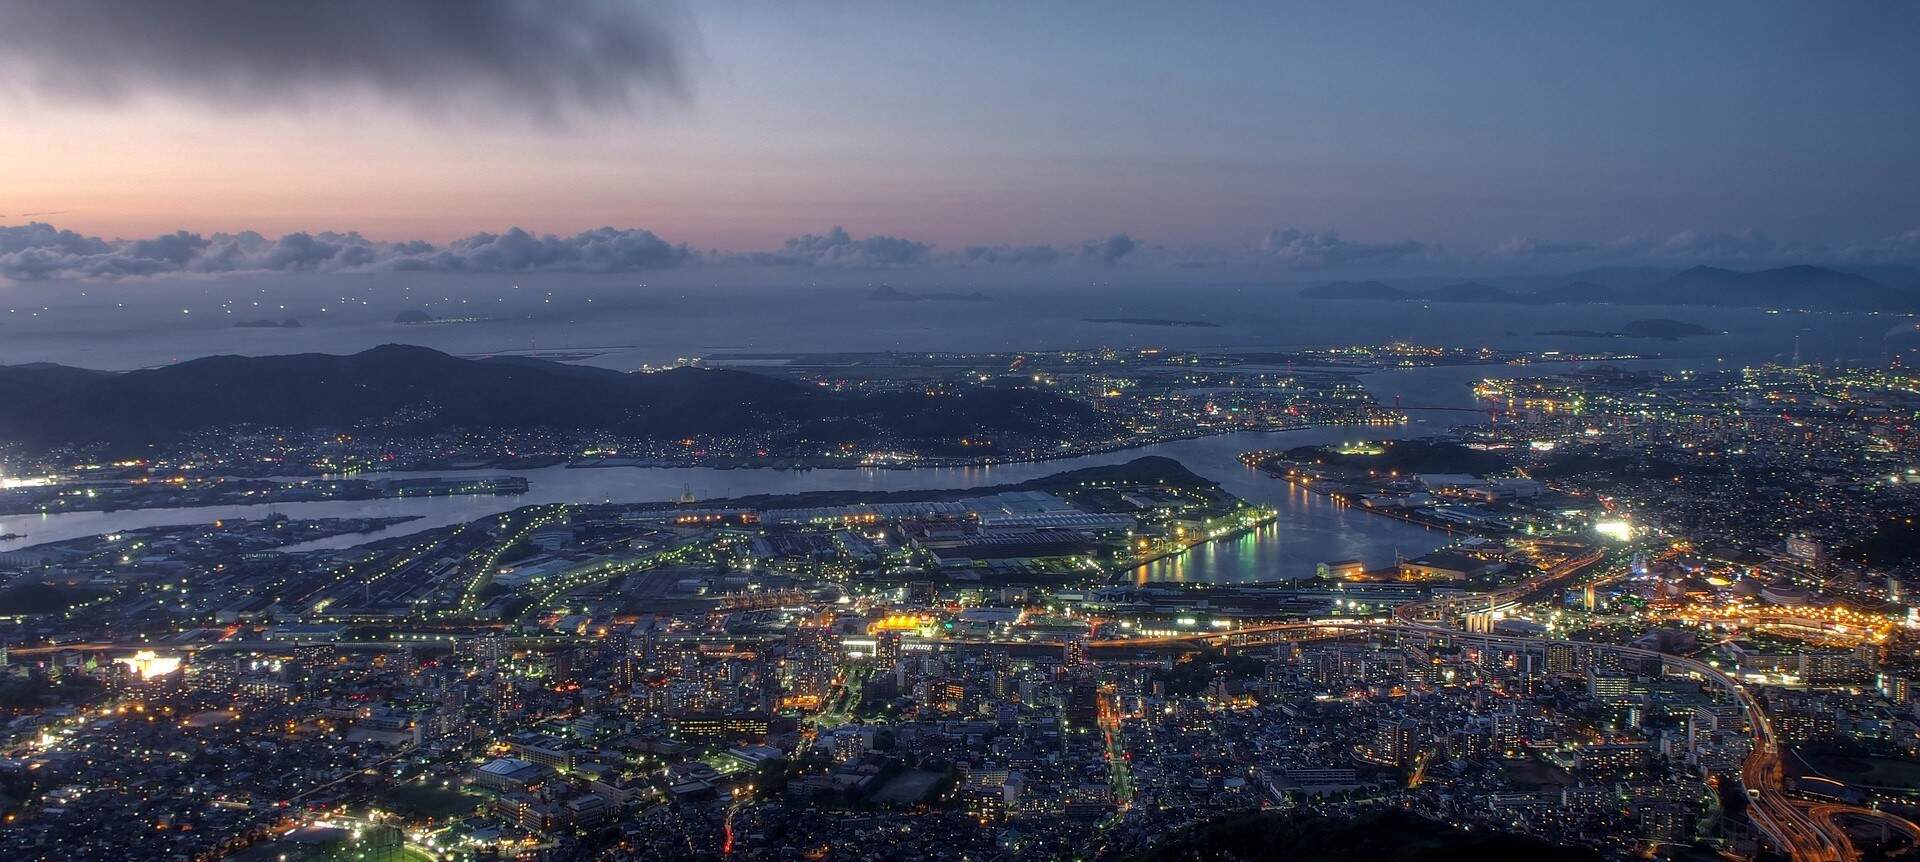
415, 388
1811, 288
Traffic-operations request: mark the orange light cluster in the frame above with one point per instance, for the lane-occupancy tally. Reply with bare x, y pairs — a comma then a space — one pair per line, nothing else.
899, 623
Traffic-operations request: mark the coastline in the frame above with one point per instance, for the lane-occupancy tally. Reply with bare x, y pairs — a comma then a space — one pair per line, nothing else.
1450, 528
1134, 570
936, 463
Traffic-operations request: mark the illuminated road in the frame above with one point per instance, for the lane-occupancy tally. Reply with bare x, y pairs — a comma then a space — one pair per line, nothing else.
1832, 816
1504, 596
1835, 624
1118, 767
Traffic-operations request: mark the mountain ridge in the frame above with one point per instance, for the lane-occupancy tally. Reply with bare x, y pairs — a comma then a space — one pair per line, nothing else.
425, 390
1804, 287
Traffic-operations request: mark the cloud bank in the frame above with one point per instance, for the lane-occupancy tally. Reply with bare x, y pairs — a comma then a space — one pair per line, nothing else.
534, 58
1300, 248
1729, 247
38, 251
837, 248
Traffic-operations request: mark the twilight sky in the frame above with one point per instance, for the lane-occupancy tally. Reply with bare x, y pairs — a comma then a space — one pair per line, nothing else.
1298, 135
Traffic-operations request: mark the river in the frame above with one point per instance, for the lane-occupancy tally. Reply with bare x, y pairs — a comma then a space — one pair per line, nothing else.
1310, 529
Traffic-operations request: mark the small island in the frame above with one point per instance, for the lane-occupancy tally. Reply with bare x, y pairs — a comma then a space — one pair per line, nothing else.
289, 323
413, 317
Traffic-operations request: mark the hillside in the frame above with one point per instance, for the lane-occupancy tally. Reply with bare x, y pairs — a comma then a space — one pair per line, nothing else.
415, 388
1810, 287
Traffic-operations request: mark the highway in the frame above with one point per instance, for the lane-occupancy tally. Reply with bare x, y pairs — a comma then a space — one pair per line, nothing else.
1832, 817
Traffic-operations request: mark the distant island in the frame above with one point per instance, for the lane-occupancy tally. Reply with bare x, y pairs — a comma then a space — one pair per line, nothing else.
289, 323
1661, 328
1808, 288
413, 316
888, 293
1152, 321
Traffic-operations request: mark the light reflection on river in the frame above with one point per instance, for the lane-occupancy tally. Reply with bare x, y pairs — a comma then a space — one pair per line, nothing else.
1310, 529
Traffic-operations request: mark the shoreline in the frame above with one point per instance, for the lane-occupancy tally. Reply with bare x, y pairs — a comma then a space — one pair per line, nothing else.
771, 463
1132, 570
1449, 528
776, 463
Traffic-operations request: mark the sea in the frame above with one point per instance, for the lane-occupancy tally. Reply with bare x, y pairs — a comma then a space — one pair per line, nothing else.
625, 323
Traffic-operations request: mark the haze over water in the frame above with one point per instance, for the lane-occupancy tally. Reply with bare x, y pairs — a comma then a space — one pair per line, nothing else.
145, 323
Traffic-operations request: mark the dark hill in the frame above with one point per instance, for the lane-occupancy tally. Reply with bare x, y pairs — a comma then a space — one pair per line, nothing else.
1810, 287
22, 385
1789, 287
422, 389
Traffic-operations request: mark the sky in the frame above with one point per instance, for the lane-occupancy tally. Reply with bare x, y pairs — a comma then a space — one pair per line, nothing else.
1351, 136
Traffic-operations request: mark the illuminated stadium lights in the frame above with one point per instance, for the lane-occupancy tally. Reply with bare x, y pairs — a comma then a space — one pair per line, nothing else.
148, 664
1617, 529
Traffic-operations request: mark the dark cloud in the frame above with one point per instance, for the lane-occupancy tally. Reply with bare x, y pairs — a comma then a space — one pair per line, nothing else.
1095, 251
1308, 250
522, 56
40, 251
837, 248
1685, 246
1109, 250
1010, 255
601, 250
1717, 245
1520, 247
1722, 247
1901, 247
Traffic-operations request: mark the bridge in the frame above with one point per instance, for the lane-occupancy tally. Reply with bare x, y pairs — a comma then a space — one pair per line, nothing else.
1835, 816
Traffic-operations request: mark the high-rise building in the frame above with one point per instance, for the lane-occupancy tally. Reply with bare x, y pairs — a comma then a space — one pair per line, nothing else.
1563, 658
1395, 741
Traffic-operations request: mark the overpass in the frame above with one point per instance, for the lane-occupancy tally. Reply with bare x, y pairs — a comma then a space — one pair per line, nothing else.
1834, 816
